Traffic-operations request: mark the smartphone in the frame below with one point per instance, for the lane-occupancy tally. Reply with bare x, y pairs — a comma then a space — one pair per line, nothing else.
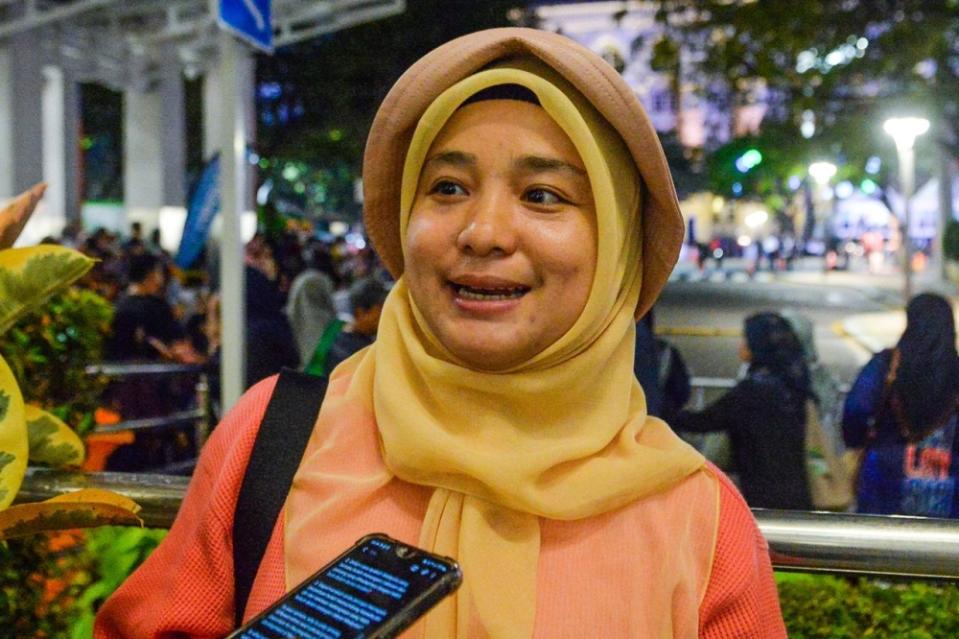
374, 590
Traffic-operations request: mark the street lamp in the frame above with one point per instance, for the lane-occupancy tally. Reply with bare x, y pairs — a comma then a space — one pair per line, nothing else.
822, 172
905, 131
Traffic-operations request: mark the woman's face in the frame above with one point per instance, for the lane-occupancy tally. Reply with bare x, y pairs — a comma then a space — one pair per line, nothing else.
501, 243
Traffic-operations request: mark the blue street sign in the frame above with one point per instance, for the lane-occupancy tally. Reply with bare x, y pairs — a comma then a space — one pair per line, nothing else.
250, 20
204, 205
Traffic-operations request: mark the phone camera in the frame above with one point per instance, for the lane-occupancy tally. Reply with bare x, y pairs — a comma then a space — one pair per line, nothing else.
404, 552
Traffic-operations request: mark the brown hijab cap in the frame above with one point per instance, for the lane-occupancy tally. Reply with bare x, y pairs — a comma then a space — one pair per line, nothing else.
599, 83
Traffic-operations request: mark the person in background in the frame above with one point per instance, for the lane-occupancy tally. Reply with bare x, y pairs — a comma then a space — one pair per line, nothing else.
367, 296
646, 366
765, 416
144, 326
310, 309
901, 413
270, 345
823, 384
134, 244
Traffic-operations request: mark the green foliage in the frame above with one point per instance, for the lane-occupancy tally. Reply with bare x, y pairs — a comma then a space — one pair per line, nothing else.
41, 435
950, 242
56, 593
38, 587
886, 55
49, 350
819, 606
117, 551
40, 275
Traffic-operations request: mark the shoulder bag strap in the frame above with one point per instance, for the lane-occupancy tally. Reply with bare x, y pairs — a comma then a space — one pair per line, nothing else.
277, 451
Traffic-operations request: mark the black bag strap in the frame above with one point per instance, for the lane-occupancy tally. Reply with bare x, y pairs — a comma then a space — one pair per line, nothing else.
277, 452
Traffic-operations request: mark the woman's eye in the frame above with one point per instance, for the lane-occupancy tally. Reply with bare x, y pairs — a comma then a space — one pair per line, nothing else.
445, 187
544, 197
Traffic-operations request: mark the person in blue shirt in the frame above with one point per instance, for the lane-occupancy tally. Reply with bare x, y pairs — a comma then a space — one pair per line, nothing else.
901, 413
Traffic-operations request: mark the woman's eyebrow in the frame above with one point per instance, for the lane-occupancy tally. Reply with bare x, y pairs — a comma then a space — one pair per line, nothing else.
535, 163
456, 158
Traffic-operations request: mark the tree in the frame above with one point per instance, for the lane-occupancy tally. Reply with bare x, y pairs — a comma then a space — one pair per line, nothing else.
851, 63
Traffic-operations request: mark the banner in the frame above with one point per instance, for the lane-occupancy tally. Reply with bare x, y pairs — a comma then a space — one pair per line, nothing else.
204, 205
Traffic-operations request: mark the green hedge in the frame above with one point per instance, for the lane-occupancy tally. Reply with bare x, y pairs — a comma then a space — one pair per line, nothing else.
824, 606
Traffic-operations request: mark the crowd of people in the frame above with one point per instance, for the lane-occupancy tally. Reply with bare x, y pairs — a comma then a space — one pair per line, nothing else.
311, 304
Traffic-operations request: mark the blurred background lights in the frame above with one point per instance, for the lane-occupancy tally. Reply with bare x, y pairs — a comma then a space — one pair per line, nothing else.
873, 164
868, 187
794, 182
756, 219
751, 158
822, 171
844, 189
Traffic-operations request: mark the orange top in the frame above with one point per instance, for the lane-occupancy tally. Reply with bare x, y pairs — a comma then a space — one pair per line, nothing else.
695, 573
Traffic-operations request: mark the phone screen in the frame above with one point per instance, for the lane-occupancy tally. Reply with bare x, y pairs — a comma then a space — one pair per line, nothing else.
375, 589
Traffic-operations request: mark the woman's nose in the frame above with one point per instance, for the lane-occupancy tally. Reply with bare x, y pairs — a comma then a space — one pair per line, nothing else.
488, 225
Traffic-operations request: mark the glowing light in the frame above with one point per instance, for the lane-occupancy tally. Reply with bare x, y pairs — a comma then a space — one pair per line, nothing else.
744, 241
873, 164
868, 187
756, 219
290, 172
794, 182
905, 130
737, 188
844, 189
751, 158
822, 172
808, 126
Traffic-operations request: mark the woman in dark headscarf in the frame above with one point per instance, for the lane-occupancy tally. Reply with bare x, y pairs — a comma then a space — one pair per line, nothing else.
902, 411
765, 416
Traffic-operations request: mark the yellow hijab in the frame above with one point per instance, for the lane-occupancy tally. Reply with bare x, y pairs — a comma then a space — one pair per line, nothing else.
564, 435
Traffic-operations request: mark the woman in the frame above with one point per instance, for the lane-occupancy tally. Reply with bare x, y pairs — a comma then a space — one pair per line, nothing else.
902, 412
310, 309
496, 418
765, 416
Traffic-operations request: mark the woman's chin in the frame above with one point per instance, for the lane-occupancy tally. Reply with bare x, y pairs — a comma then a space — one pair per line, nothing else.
489, 357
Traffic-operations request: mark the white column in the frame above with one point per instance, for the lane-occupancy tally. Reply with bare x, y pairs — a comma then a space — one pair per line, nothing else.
22, 133
143, 157
231, 139
154, 138
6, 124
58, 161
39, 135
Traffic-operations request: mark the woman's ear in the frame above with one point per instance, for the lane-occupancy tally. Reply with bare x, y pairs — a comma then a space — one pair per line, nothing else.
745, 354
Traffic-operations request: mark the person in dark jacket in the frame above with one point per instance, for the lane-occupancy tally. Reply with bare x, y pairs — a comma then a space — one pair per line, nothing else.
902, 410
367, 296
765, 416
269, 339
661, 371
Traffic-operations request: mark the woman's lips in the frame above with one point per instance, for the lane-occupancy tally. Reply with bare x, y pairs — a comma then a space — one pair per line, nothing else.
486, 295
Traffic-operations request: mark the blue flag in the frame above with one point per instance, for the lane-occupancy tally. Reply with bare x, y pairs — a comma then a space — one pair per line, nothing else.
204, 205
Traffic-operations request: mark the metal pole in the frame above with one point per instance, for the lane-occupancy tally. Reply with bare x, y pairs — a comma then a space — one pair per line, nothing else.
906, 177
232, 148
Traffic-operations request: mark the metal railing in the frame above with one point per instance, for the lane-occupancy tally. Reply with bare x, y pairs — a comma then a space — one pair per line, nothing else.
799, 541
199, 417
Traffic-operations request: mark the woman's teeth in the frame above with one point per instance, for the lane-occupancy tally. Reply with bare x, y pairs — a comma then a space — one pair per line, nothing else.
468, 293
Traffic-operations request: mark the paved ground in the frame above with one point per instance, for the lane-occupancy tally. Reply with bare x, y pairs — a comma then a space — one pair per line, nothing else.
855, 313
